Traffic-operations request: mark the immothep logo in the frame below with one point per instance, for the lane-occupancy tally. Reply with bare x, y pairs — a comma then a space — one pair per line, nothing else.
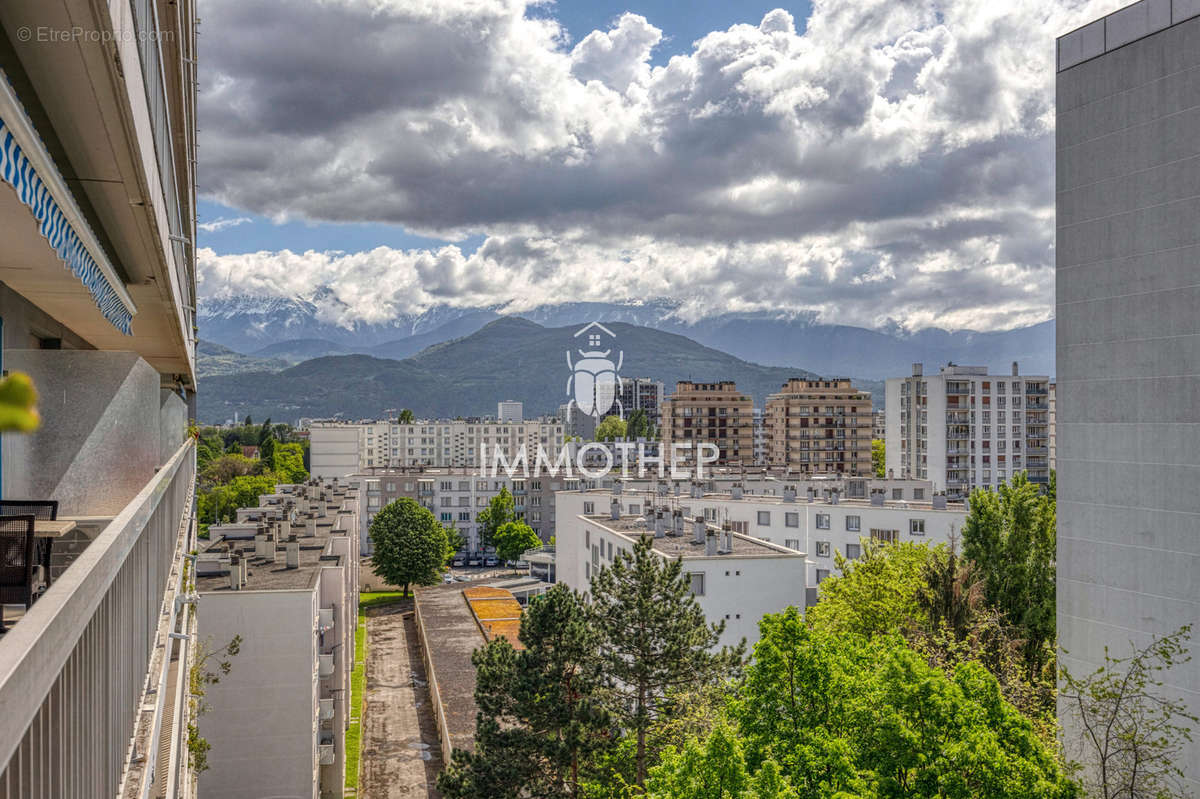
595, 380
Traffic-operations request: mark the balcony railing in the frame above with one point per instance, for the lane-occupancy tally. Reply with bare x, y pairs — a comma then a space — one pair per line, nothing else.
73, 669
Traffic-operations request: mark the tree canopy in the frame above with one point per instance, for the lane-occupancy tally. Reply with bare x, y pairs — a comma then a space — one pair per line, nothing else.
410, 544
513, 539
611, 428
500, 510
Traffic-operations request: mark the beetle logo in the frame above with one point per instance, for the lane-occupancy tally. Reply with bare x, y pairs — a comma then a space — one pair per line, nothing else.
594, 376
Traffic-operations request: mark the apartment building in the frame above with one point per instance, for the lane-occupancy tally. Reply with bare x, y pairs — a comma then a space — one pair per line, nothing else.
712, 413
441, 443
1128, 345
964, 428
817, 517
735, 578
879, 425
576, 423
820, 427
762, 447
1052, 419
456, 496
642, 394
97, 298
285, 578
510, 411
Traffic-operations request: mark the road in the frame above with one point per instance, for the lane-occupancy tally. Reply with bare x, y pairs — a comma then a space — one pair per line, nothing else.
400, 753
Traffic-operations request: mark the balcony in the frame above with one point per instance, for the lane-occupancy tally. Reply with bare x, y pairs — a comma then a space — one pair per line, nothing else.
325, 619
324, 665
325, 754
325, 710
73, 668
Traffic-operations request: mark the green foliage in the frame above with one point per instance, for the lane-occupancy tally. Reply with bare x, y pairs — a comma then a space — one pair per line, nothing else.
541, 718
288, 462
611, 428
410, 544
223, 468
715, 770
656, 642
221, 502
513, 538
637, 425
501, 510
868, 717
1131, 734
455, 542
406, 417
879, 457
1010, 535
875, 594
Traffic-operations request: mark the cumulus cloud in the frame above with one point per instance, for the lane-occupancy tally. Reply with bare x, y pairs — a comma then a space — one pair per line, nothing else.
218, 225
891, 161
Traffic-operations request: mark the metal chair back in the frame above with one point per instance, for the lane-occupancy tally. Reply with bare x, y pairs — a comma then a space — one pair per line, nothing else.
17, 559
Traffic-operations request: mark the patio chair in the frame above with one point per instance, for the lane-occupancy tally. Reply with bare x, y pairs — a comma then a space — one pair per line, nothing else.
42, 510
17, 584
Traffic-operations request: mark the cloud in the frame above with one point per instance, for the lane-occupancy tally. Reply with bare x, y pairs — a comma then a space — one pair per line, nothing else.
218, 225
893, 161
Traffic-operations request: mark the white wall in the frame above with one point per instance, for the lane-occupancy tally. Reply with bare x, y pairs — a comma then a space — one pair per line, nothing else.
261, 715
333, 450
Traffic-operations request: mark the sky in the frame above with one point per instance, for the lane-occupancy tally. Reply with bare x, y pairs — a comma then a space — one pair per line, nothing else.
872, 162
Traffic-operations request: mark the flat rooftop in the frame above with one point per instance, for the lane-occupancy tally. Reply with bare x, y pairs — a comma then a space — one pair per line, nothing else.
674, 546
449, 634
263, 575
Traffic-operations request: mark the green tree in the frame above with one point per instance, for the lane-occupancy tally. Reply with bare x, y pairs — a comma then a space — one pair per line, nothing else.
406, 417
869, 717
1129, 733
513, 538
875, 594
410, 545
715, 769
288, 462
454, 542
1009, 534
18, 404
879, 457
265, 432
541, 719
500, 510
638, 424
610, 428
656, 642
266, 450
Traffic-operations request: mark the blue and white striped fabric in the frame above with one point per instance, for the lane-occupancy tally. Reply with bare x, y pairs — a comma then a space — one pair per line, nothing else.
16, 170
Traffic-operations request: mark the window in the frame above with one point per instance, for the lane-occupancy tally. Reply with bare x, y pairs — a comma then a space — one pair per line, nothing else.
853, 524
589, 508
610, 550
791, 519
697, 581
822, 521
634, 509
823, 549
587, 571
885, 536
792, 543
587, 539
853, 551
447, 517
918, 493
764, 518
897, 493
822, 574
464, 516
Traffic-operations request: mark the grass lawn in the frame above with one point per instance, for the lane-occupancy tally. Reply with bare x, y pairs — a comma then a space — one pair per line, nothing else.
358, 681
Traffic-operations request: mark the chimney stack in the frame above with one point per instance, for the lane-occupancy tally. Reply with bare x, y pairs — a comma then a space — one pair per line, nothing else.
812, 495
699, 528
789, 493
310, 525
697, 491
726, 544
235, 571
660, 524
710, 542
833, 496
1014, 374
677, 522
737, 491
261, 542
877, 499
614, 510
293, 552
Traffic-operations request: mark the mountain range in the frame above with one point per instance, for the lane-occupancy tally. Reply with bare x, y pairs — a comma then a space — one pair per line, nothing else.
296, 330
508, 358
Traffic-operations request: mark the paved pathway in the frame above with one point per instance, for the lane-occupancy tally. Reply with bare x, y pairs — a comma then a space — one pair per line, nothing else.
400, 757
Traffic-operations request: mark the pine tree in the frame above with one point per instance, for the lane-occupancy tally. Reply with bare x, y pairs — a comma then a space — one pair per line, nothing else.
656, 641
540, 718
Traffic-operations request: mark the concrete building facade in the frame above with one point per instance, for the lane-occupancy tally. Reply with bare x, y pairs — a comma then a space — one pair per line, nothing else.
1128, 340
820, 427
642, 394
964, 428
712, 413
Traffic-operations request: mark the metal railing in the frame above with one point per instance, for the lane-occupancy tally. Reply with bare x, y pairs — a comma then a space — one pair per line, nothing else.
73, 669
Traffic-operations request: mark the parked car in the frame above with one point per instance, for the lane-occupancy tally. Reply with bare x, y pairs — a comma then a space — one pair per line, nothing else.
459, 561
491, 560
474, 563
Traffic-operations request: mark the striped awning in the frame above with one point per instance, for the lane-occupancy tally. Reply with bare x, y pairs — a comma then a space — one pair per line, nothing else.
27, 167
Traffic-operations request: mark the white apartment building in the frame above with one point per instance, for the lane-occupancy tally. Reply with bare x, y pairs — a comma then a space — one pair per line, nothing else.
817, 520
441, 443
510, 411
963, 428
284, 577
736, 578
762, 446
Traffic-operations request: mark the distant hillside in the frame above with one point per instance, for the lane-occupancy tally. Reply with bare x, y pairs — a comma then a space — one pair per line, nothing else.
213, 359
303, 349
510, 358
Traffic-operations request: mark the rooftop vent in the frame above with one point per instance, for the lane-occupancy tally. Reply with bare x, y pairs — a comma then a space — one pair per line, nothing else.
711, 545
699, 528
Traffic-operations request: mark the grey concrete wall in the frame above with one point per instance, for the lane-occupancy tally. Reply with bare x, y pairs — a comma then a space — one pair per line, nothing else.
25, 325
1128, 353
99, 441
172, 423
